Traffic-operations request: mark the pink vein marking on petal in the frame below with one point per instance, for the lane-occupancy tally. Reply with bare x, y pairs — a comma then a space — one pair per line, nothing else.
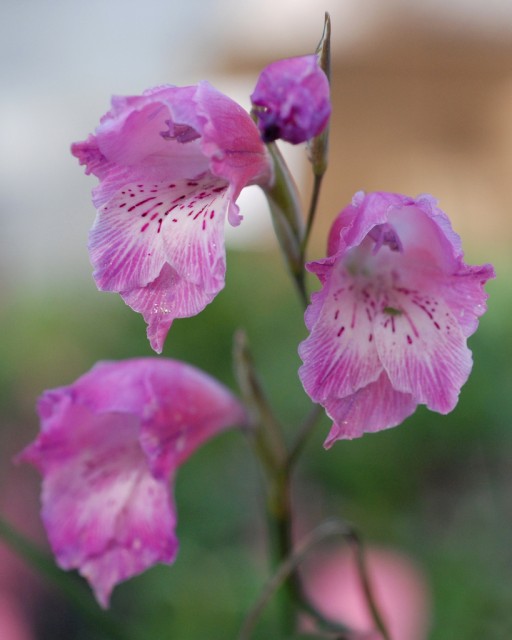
133, 235
423, 348
339, 355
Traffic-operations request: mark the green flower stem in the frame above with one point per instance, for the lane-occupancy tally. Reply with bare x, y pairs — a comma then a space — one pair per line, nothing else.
319, 146
285, 569
290, 593
267, 440
287, 218
280, 538
304, 433
76, 594
266, 433
367, 589
313, 205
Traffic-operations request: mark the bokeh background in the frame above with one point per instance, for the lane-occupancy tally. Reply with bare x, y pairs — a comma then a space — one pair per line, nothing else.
422, 102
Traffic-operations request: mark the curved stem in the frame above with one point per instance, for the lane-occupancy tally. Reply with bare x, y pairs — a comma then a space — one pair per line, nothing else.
368, 593
279, 516
313, 205
286, 211
267, 433
305, 431
288, 566
284, 570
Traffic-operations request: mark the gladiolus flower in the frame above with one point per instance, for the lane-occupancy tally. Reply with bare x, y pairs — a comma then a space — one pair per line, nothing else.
292, 100
171, 163
389, 327
110, 443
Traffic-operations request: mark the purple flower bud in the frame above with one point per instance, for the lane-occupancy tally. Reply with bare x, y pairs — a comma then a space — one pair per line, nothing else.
292, 100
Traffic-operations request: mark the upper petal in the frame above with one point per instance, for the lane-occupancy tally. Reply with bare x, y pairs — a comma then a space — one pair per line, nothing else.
231, 141
424, 230
172, 133
131, 144
356, 220
137, 386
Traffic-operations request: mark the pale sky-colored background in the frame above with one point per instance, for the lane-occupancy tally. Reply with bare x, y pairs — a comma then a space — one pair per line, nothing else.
60, 60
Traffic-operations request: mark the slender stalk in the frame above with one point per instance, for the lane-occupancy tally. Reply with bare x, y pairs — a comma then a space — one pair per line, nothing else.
280, 538
267, 439
71, 589
318, 146
269, 445
287, 568
304, 433
283, 572
313, 205
286, 211
367, 590
267, 433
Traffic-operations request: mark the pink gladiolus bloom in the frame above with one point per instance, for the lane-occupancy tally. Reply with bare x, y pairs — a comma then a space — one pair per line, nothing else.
292, 100
109, 445
388, 329
171, 163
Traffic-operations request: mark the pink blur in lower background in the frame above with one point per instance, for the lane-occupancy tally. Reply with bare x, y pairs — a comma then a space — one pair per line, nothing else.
400, 590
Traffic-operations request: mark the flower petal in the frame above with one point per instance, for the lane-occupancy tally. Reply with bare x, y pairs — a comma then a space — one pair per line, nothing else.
146, 225
465, 294
423, 348
372, 408
427, 301
165, 299
231, 141
162, 248
339, 355
200, 408
356, 220
131, 143
103, 510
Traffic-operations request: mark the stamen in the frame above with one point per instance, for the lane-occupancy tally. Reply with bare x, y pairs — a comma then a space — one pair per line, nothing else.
179, 132
385, 234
